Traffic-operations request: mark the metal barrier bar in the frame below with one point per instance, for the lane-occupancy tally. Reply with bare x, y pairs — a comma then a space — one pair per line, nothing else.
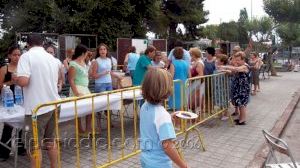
122, 127
77, 136
94, 133
56, 142
186, 104
36, 150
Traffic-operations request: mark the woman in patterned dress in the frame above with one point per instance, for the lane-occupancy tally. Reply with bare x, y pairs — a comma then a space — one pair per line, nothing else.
240, 87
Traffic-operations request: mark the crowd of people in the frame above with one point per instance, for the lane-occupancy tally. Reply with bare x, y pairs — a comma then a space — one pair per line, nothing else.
38, 68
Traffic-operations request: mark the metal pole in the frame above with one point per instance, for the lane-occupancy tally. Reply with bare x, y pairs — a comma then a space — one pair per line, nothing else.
251, 10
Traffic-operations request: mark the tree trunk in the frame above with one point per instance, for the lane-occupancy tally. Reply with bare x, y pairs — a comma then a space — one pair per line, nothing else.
271, 65
172, 30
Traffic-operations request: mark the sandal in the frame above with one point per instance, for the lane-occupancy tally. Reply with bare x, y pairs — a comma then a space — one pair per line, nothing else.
240, 123
237, 122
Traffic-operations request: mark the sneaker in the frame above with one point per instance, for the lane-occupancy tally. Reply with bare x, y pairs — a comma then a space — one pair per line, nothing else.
224, 118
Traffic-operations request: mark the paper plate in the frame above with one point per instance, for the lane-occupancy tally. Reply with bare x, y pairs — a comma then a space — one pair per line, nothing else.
186, 115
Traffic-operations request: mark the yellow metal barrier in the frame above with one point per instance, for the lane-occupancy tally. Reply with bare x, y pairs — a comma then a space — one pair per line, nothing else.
208, 97
125, 152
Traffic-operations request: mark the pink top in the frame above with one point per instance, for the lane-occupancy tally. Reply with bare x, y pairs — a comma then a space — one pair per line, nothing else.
194, 69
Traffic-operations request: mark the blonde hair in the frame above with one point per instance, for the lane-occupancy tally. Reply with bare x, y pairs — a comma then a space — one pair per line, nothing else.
223, 58
157, 85
236, 48
195, 52
240, 54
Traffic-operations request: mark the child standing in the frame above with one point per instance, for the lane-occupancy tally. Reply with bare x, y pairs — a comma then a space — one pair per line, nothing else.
156, 128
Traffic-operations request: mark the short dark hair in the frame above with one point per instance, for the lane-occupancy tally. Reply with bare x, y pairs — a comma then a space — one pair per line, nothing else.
46, 46
211, 51
79, 50
35, 40
131, 49
178, 52
12, 48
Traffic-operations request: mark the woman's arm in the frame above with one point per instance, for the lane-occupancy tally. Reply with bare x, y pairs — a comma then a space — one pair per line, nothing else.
200, 69
61, 78
94, 70
242, 68
189, 73
71, 76
66, 65
172, 70
170, 150
2, 76
125, 62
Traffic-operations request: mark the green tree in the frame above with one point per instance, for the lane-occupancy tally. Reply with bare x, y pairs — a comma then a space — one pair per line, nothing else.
290, 35
261, 28
283, 11
242, 27
211, 31
109, 19
233, 32
190, 13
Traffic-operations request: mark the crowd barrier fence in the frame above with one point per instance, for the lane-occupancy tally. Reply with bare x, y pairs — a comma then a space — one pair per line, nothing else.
207, 106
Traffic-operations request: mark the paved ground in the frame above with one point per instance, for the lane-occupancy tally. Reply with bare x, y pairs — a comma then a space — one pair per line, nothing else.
291, 136
227, 147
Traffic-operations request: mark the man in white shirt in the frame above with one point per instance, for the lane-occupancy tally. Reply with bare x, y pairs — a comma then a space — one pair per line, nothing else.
38, 74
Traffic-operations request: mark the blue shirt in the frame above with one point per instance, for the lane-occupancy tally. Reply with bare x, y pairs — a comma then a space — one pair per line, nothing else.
186, 56
181, 73
209, 67
104, 64
132, 60
140, 70
155, 127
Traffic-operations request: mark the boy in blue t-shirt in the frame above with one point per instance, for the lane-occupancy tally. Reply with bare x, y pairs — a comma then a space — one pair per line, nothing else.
156, 128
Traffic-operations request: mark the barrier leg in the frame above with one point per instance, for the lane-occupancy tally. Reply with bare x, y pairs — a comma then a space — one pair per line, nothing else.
16, 146
231, 121
200, 138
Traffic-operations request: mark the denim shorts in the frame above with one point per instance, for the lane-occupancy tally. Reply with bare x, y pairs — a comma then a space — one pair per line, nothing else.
102, 87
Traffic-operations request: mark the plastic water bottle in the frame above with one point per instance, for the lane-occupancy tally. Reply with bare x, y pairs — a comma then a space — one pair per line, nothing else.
8, 99
18, 95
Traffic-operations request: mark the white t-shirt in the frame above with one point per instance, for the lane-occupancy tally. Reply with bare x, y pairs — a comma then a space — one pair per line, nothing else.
42, 69
161, 64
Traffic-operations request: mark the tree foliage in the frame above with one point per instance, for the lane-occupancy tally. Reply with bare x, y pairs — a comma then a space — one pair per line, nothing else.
290, 34
190, 13
261, 28
232, 31
283, 11
211, 31
108, 19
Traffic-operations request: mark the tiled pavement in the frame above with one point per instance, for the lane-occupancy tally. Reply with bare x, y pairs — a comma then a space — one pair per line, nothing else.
227, 147
291, 136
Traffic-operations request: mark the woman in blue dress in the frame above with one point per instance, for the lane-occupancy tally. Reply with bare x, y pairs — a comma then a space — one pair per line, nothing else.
180, 71
240, 87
